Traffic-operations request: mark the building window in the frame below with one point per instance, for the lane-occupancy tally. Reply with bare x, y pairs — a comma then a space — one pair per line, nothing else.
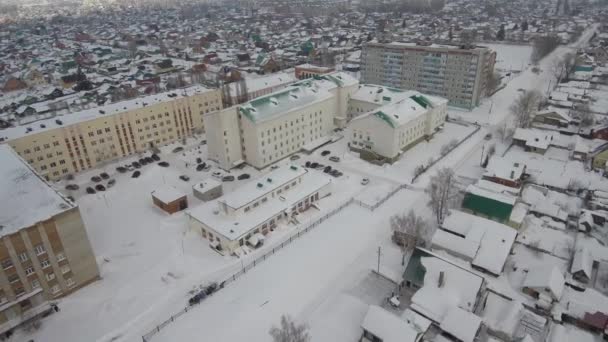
19, 291
23, 257
29, 270
70, 282
45, 263
39, 249
7, 263
13, 278
35, 283
65, 269
55, 289
50, 276
60, 256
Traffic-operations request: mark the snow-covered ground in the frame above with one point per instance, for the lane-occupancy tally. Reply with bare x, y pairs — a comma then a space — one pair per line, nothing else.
511, 57
149, 260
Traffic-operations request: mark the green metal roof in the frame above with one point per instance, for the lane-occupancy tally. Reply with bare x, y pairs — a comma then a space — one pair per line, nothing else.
415, 271
422, 100
499, 211
385, 118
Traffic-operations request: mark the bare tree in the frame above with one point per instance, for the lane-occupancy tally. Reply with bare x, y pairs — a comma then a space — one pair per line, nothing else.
543, 46
504, 131
525, 107
409, 231
558, 67
289, 331
585, 115
442, 192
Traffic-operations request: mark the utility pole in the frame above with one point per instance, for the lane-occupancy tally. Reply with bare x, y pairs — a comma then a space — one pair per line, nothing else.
379, 254
483, 147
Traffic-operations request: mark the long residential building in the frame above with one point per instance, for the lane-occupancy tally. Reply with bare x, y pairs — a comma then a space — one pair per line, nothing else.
78, 141
272, 127
457, 73
44, 249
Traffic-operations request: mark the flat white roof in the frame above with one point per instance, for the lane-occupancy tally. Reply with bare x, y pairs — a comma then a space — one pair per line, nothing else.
96, 112
461, 324
206, 185
387, 326
233, 227
26, 198
167, 194
262, 186
504, 168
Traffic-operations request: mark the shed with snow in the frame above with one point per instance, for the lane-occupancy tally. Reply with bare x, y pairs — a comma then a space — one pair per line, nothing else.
169, 199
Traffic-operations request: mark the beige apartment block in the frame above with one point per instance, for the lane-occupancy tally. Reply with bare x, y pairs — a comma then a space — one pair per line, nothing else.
44, 249
459, 74
79, 141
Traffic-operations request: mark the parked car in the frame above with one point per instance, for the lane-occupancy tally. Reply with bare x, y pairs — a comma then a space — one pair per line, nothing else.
334, 159
184, 178
197, 298
104, 175
243, 176
227, 178
203, 142
211, 288
72, 187
327, 169
142, 161
365, 181
111, 182
488, 136
294, 157
314, 165
163, 164
90, 190
149, 160
135, 174
217, 174
121, 169
96, 179
178, 149
136, 165
320, 167
207, 168
307, 164
200, 167
325, 153
155, 157
274, 167
100, 187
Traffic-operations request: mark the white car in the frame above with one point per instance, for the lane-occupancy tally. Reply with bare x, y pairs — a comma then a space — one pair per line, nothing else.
217, 174
365, 181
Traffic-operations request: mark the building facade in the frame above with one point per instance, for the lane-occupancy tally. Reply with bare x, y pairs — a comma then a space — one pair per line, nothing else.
244, 217
80, 141
385, 132
44, 249
449, 71
272, 127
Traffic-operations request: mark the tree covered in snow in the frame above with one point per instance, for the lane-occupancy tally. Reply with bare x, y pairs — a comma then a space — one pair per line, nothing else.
584, 114
561, 67
289, 331
442, 192
409, 231
525, 107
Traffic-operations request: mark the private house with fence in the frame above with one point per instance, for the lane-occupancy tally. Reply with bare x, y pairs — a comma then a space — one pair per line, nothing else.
240, 220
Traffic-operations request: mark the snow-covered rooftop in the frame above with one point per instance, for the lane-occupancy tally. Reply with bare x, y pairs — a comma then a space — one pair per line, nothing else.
445, 286
261, 187
26, 198
550, 278
486, 243
167, 194
504, 168
387, 326
102, 111
461, 324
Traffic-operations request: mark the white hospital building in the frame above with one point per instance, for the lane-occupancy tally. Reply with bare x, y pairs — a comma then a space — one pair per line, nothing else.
245, 216
387, 121
272, 127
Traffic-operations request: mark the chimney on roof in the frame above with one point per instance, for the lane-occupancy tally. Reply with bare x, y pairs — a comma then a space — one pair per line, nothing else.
441, 279
512, 174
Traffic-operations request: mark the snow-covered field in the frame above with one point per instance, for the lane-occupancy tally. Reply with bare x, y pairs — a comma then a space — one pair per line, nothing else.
511, 57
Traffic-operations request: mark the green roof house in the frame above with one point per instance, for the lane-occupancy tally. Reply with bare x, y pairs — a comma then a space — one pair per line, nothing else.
488, 204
